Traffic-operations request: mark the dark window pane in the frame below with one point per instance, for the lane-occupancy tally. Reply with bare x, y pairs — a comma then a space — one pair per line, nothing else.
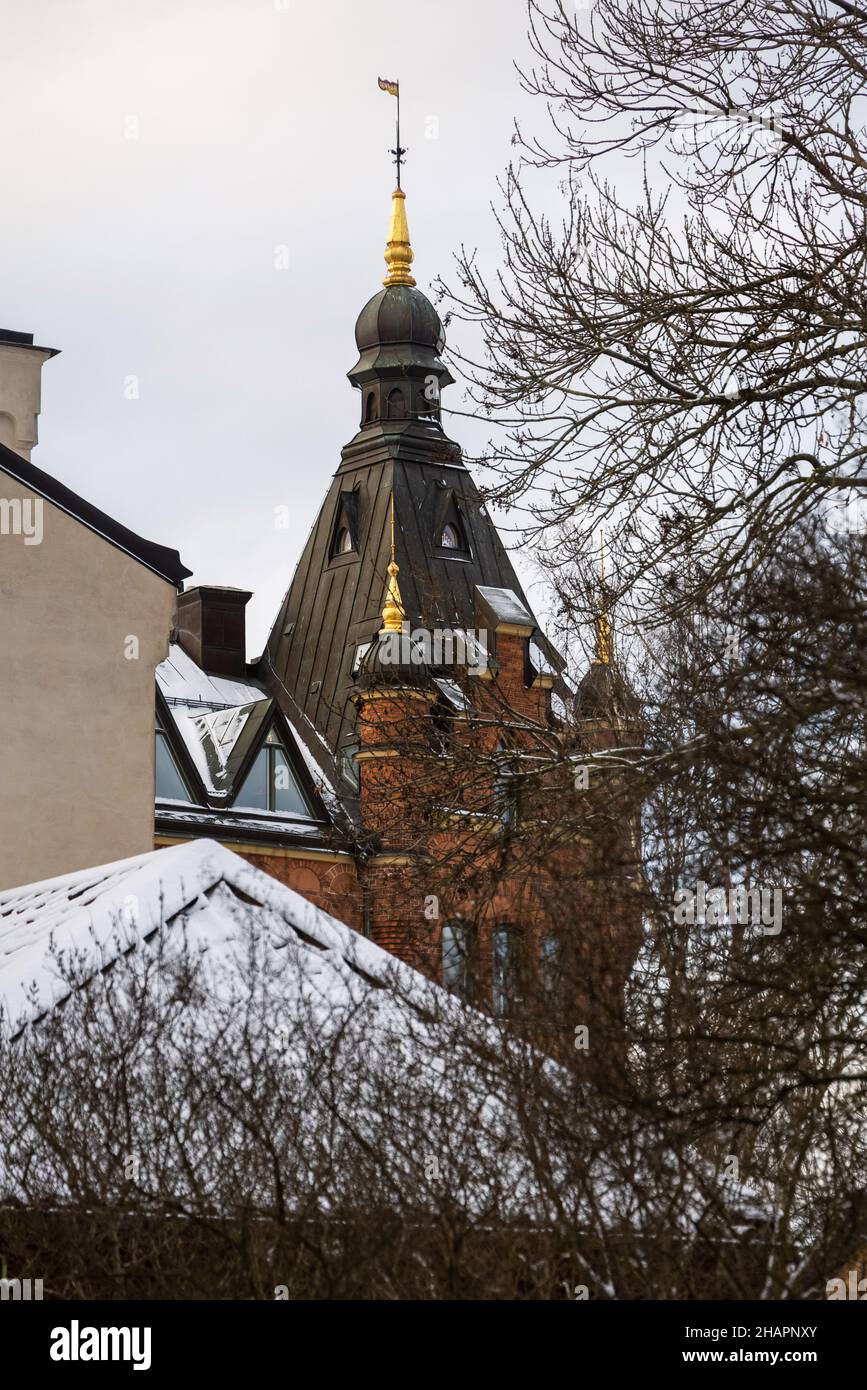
348, 765
503, 970
552, 972
456, 957
170, 784
254, 792
286, 792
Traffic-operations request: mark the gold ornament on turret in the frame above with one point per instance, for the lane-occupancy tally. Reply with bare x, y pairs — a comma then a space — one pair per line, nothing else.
393, 611
398, 252
603, 623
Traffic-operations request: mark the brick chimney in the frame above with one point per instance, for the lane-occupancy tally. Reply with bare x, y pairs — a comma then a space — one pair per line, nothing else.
20, 389
212, 630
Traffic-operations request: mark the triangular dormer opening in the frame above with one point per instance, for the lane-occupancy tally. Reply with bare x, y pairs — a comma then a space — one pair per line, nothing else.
344, 534
271, 783
450, 538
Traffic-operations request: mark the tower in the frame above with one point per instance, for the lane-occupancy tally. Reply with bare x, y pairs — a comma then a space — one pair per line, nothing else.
403, 549
446, 546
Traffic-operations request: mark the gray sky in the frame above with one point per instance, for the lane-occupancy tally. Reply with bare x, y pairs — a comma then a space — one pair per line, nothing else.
258, 127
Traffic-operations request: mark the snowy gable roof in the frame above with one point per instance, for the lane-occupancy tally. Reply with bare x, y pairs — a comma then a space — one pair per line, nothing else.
351, 1021
222, 738
94, 915
362, 1036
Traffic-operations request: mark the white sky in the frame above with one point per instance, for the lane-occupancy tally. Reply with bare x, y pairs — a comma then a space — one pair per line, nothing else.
258, 127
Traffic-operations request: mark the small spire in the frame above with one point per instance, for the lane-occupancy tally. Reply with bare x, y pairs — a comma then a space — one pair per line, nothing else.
393, 611
603, 624
398, 252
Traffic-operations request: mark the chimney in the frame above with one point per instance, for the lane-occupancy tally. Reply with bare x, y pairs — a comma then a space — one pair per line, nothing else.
20, 389
212, 630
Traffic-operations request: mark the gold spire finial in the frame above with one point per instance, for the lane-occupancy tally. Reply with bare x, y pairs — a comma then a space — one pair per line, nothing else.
393, 611
603, 624
398, 252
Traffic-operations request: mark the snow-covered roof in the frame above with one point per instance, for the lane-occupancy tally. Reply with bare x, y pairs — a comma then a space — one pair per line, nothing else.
332, 988
217, 718
365, 1041
181, 679
453, 694
539, 660
92, 916
505, 605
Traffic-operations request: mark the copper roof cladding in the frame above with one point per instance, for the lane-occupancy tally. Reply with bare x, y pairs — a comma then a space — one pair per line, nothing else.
604, 694
397, 329
335, 599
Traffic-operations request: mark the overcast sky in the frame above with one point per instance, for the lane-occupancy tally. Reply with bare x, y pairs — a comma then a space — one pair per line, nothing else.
257, 127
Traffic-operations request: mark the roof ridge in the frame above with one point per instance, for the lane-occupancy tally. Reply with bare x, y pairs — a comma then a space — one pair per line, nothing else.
160, 558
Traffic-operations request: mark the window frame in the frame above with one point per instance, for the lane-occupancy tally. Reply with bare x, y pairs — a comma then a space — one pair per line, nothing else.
507, 987
160, 732
272, 745
465, 950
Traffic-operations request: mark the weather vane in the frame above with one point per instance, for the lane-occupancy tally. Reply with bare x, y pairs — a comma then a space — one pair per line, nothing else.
394, 89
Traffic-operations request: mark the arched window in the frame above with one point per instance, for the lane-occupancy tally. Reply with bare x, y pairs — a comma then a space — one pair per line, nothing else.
343, 541
370, 407
456, 944
395, 407
450, 539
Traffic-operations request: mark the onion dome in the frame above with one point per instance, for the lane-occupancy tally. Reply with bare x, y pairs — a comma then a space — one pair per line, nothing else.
605, 696
393, 660
399, 332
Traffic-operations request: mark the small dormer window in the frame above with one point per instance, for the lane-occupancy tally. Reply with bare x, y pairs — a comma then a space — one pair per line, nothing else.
343, 541
271, 784
450, 539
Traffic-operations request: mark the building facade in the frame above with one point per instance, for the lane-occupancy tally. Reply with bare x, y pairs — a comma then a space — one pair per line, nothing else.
87, 608
375, 756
